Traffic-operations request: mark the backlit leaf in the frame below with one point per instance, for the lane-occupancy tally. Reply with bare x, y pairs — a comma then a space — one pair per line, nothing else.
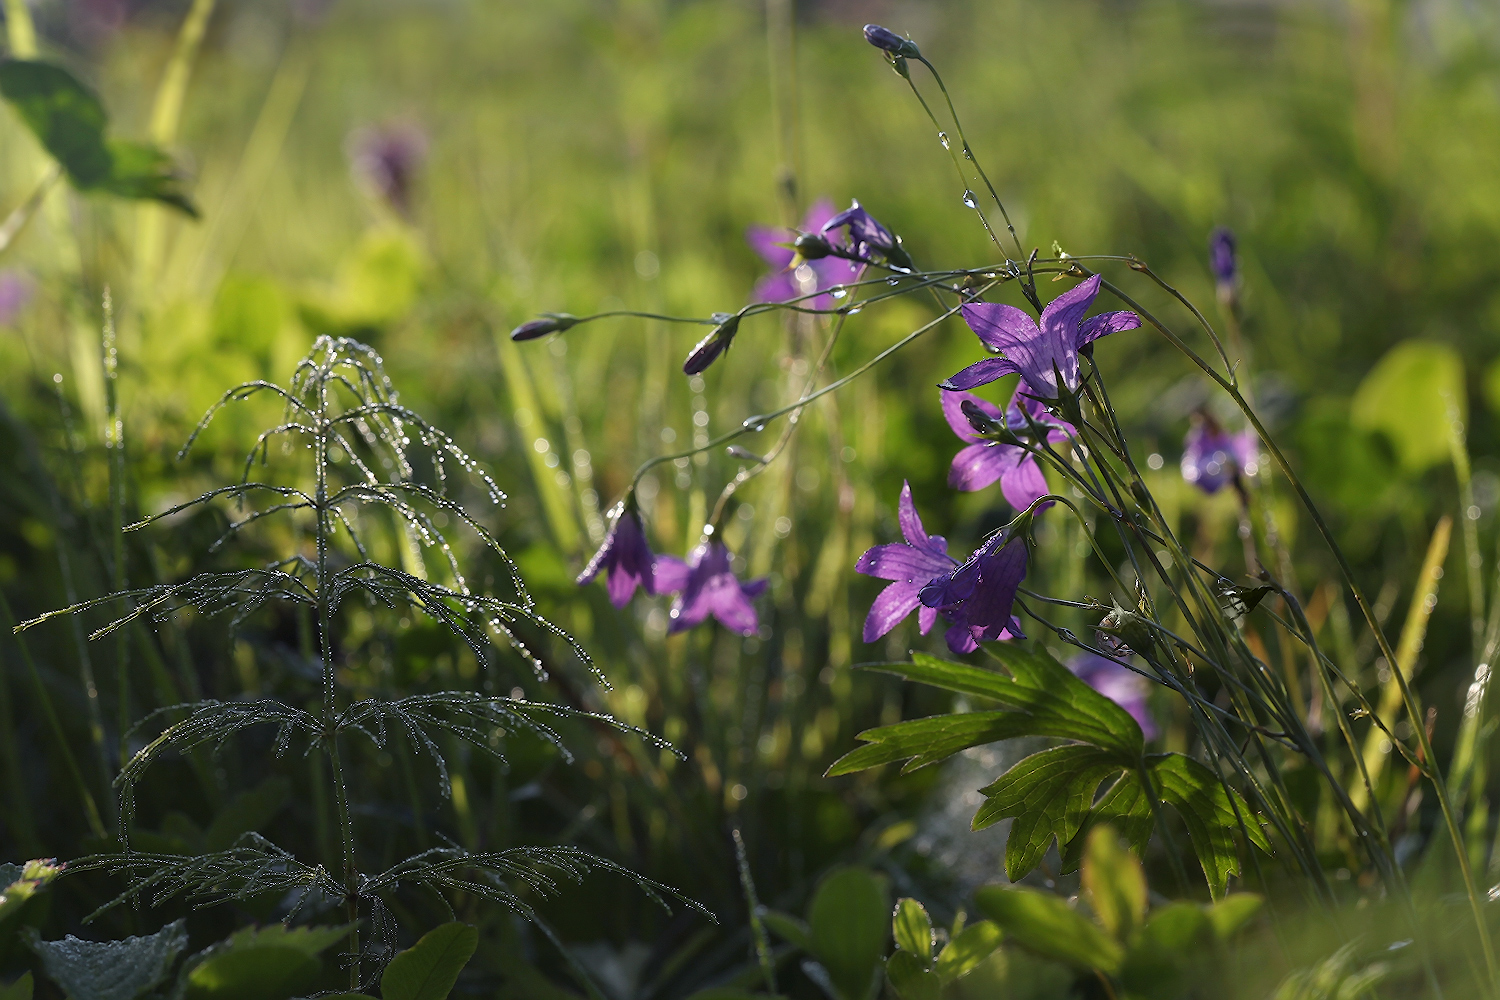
912, 928
1206, 810
428, 969
849, 928
1049, 794
1048, 926
968, 948
1407, 397
911, 979
920, 742
1115, 883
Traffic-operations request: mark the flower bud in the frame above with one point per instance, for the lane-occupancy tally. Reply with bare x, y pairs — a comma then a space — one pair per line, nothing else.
811, 246
885, 38
549, 323
709, 348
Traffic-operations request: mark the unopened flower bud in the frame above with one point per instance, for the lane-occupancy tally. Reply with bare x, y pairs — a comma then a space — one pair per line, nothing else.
811, 246
982, 422
549, 323
885, 38
716, 343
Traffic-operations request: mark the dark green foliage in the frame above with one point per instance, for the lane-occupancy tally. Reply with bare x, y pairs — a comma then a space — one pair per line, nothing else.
428, 969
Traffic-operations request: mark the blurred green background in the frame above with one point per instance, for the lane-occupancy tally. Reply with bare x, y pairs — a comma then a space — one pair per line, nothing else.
585, 156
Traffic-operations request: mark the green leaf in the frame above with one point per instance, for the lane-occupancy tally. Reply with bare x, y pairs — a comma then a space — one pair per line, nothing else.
1233, 912
1049, 794
18, 883
248, 811
64, 115
849, 927
145, 173
1176, 939
1202, 801
926, 741
1124, 807
110, 970
428, 969
968, 948
911, 979
787, 927
1048, 926
259, 963
1115, 883
18, 990
912, 928
1411, 396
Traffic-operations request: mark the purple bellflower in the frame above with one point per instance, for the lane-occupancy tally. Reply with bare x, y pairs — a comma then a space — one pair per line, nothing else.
867, 238
1040, 354
708, 587
625, 558
16, 288
983, 462
910, 566
1212, 458
386, 160
1119, 684
885, 38
1221, 258
977, 597
809, 276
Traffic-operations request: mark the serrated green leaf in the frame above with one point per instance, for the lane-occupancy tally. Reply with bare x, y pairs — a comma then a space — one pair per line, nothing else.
110, 970
968, 948
1115, 883
1049, 927
911, 979
1233, 912
912, 928
428, 969
920, 742
1124, 807
1049, 794
847, 920
18, 990
787, 927
66, 117
1204, 804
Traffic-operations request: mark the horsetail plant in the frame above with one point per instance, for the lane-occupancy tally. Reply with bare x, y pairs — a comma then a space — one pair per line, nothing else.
362, 452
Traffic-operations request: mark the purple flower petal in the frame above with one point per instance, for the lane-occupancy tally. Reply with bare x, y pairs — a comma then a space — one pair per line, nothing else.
893, 604
899, 561
711, 588
953, 412
1023, 484
911, 565
979, 465
1003, 327
980, 373
1105, 324
625, 558
669, 574
766, 240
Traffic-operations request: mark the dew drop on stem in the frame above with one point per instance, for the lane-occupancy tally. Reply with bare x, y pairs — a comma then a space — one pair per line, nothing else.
969, 199
943, 138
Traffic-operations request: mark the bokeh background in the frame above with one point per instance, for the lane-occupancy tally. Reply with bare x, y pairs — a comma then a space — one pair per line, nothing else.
426, 175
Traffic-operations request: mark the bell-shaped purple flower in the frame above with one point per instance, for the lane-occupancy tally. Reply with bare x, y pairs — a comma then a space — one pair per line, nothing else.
708, 587
1040, 353
910, 566
978, 596
809, 276
1221, 258
1119, 684
1212, 458
16, 288
984, 462
625, 558
867, 238
386, 160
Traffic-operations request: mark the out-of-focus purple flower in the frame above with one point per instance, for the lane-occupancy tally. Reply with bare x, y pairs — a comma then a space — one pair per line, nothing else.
1213, 458
386, 160
1039, 354
867, 238
809, 276
707, 350
977, 596
1222, 260
1119, 684
983, 462
910, 565
625, 558
885, 38
708, 587
16, 288
548, 323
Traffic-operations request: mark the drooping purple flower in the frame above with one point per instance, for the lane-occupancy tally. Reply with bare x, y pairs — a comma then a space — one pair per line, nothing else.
977, 597
386, 160
16, 288
625, 558
1221, 258
983, 462
808, 277
1040, 354
910, 565
1213, 458
885, 38
708, 587
1119, 684
867, 238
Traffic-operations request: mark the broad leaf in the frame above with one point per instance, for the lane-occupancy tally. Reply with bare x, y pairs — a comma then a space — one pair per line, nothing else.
847, 919
912, 928
1411, 396
145, 173
1233, 912
968, 948
927, 741
1048, 926
259, 963
1049, 794
1124, 807
428, 969
911, 978
1177, 940
1203, 802
110, 970
1115, 883
787, 927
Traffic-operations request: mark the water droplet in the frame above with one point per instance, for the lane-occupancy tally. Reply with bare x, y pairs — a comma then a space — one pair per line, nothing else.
943, 138
893, 282
969, 200
968, 155
854, 309
839, 293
